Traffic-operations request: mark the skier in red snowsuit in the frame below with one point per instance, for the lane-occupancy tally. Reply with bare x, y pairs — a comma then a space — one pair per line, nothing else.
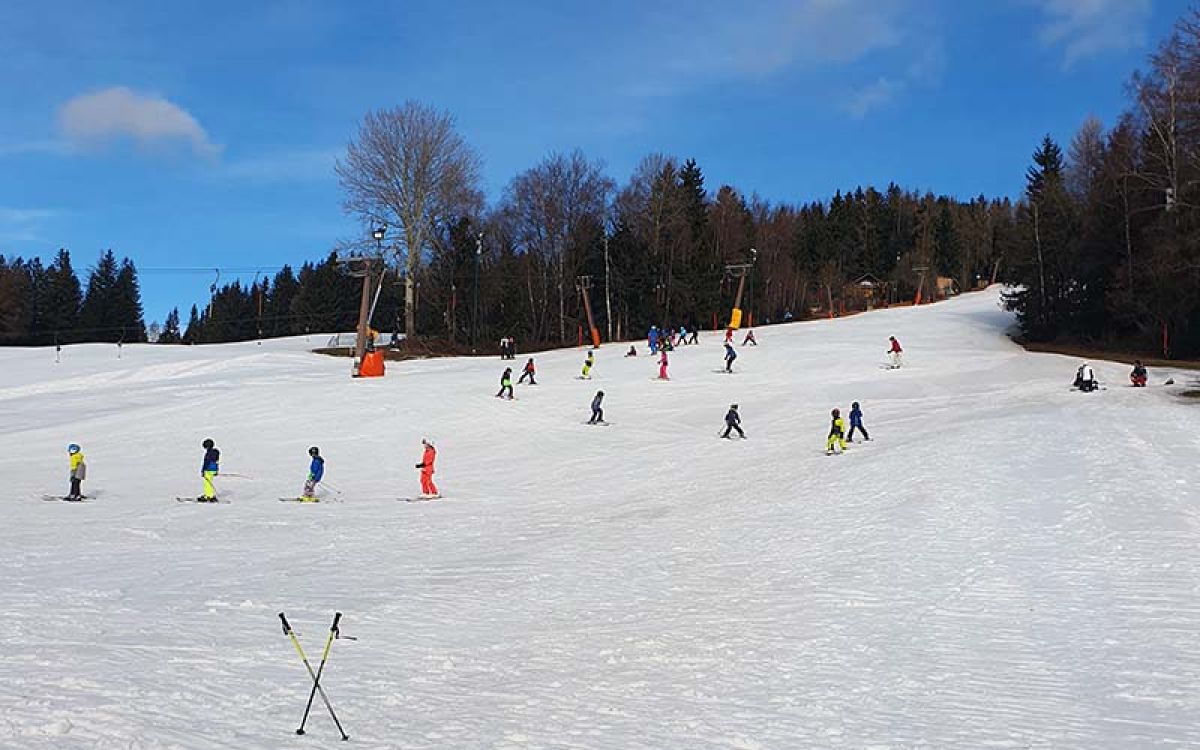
662, 365
895, 352
428, 488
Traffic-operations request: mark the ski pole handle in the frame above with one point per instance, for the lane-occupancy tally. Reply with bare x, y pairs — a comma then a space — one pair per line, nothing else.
337, 617
287, 629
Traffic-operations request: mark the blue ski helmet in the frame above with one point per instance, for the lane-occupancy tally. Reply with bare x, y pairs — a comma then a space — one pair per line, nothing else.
73, 448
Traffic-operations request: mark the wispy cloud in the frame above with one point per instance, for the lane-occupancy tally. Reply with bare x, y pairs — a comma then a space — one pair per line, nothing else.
872, 96
119, 113
1086, 28
24, 224
303, 165
21, 148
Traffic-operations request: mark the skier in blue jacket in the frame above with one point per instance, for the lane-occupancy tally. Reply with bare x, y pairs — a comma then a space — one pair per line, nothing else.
730, 355
208, 470
316, 470
856, 422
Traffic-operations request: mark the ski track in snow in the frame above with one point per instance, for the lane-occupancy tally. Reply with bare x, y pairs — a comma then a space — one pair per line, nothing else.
1007, 564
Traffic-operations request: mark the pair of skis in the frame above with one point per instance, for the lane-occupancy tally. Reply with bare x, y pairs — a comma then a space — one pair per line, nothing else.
334, 633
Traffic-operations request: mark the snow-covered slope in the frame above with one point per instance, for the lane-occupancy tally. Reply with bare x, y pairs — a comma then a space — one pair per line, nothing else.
1007, 564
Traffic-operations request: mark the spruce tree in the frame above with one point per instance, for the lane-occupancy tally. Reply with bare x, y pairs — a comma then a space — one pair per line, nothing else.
98, 312
128, 303
60, 300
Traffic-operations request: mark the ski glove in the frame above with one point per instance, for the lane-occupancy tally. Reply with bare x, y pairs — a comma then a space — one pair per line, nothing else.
420, 466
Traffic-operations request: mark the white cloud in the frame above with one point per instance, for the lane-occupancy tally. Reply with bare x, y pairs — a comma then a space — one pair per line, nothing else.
871, 97
119, 113
23, 224
305, 165
1086, 28
20, 148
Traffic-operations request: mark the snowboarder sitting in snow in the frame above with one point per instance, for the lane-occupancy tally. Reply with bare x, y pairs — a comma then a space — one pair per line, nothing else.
209, 469
1139, 376
528, 372
597, 412
856, 423
1085, 378
316, 470
733, 421
506, 384
587, 365
750, 339
429, 490
895, 353
632, 351
730, 355
78, 471
837, 428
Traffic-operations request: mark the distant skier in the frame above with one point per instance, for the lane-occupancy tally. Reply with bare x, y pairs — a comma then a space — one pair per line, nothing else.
733, 421
750, 339
597, 412
728, 335
429, 490
652, 339
587, 365
316, 470
662, 365
837, 429
528, 372
1139, 376
78, 471
1085, 378
209, 469
632, 351
694, 338
506, 384
730, 355
895, 353
856, 423
683, 332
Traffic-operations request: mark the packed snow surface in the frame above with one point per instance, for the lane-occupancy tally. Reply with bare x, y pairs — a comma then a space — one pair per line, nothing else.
1007, 564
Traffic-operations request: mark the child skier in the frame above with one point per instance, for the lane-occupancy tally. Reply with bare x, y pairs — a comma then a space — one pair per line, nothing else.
506, 384
856, 423
730, 355
316, 470
528, 372
662, 365
1139, 376
587, 365
429, 490
652, 339
733, 421
597, 412
78, 471
1085, 378
837, 428
632, 351
209, 469
895, 353
728, 335
750, 339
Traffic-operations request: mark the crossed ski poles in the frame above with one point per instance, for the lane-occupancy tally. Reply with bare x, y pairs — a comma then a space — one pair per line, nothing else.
316, 676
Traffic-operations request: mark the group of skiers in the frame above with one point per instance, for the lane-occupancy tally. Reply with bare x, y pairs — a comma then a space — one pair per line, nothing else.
1085, 377
508, 348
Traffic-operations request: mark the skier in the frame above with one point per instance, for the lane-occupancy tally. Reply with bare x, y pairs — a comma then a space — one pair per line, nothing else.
730, 355
506, 384
429, 490
895, 353
316, 470
504, 347
856, 423
78, 471
652, 337
750, 338
733, 421
209, 469
632, 351
662, 365
1139, 376
597, 412
728, 335
683, 332
695, 337
587, 365
528, 372
837, 428
1085, 378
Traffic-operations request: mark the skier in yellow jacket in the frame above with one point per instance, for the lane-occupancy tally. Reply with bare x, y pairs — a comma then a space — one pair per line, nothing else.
837, 433
78, 471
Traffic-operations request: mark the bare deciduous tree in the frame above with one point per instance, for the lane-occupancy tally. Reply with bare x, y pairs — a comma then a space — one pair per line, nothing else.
409, 167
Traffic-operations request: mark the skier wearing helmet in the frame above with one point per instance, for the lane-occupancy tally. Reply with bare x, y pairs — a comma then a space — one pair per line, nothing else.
597, 412
209, 469
837, 431
78, 471
429, 490
733, 421
316, 470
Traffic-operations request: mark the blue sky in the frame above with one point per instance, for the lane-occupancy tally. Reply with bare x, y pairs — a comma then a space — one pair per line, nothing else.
201, 135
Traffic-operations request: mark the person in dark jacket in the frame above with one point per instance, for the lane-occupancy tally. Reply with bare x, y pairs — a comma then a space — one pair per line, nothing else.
208, 470
856, 423
506, 384
316, 470
1139, 376
730, 355
733, 421
597, 412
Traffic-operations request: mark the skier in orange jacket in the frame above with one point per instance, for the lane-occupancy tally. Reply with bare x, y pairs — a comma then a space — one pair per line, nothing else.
428, 489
